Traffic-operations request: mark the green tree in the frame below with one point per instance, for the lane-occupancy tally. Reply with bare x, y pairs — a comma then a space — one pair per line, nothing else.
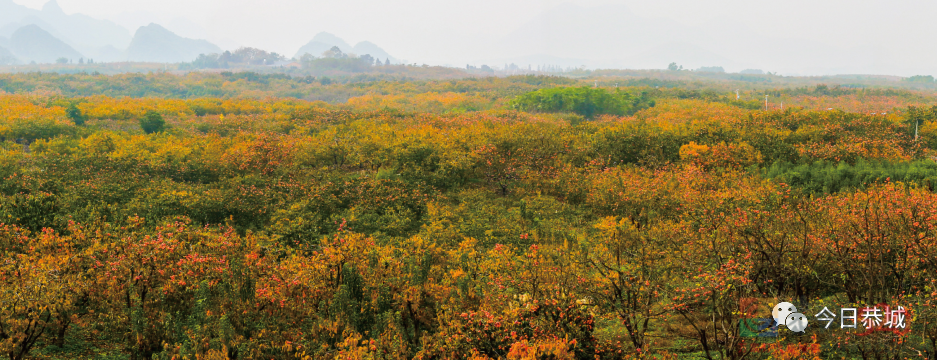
584, 101
335, 53
74, 113
152, 122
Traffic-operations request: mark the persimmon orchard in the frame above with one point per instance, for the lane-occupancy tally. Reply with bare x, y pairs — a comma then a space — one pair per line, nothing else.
476, 218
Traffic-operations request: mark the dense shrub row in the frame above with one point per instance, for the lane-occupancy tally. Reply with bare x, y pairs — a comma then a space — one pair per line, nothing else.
289, 229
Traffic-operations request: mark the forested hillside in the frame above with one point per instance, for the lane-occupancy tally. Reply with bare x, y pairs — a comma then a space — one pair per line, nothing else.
264, 216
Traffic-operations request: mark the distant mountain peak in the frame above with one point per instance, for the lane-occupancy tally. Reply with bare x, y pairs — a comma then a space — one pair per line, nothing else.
7, 57
324, 41
153, 27
157, 28
157, 44
331, 39
84, 33
31, 42
52, 7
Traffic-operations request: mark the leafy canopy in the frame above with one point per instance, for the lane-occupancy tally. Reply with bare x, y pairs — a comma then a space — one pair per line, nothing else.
152, 122
585, 101
74, 113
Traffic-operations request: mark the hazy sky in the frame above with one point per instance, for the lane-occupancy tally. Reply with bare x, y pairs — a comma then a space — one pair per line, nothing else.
899, 34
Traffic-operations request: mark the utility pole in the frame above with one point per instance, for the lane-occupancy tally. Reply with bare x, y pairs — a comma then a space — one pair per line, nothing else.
766, 102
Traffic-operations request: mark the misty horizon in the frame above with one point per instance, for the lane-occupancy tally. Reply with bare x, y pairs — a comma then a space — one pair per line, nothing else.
597, 34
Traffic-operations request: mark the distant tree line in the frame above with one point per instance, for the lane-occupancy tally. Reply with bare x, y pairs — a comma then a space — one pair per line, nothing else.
242, 56
825, 177
336, 60
927, 79
584, 101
